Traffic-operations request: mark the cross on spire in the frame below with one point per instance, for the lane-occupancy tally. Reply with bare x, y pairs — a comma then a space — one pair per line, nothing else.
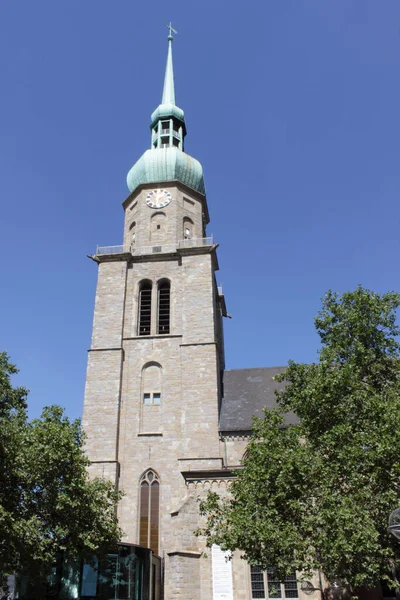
171, 31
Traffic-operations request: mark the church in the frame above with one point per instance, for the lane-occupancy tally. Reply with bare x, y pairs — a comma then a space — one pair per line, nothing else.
164, 420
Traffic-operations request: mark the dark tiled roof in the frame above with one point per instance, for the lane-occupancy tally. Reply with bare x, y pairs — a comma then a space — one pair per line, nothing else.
246, 393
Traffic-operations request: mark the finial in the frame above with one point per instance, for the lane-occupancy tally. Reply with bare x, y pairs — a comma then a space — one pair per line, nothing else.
171, 31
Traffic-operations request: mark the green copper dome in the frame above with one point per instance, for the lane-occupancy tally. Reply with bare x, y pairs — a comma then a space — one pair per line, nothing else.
166, 111
166, 160
167, 164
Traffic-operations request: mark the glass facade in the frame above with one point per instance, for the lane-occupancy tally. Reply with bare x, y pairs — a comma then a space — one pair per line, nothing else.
131, 573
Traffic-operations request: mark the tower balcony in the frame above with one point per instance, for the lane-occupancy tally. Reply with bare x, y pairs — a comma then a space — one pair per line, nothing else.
196, 242
155, 248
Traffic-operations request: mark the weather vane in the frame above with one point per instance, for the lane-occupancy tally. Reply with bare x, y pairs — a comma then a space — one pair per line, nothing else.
171, 30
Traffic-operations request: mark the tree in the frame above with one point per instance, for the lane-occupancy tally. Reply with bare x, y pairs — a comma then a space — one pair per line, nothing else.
48, 503
317, 495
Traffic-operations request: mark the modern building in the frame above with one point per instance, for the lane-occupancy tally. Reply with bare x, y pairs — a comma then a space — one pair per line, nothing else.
163, 418
128, 572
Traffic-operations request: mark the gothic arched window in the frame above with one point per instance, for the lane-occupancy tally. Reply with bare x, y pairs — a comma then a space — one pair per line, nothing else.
145, 308
149, 508
164, 306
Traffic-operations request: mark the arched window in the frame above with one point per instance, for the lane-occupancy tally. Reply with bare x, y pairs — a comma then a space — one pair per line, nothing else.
145, 308
151, 409
187, 228
164, 307
151, 384
149, 508
132, 230
157, 227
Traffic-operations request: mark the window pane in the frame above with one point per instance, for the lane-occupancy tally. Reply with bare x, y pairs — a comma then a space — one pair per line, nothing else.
147, 398
89, 579
164, 290
107, 576
154, 515
274, 589
145, 309
257, 583
156, 398
144, 515
274, 585
290, 583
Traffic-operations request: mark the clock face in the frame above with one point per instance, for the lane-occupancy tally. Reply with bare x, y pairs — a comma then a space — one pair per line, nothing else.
158, 198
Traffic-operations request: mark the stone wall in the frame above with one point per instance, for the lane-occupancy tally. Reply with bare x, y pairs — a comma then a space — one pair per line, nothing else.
127, 437
185, 204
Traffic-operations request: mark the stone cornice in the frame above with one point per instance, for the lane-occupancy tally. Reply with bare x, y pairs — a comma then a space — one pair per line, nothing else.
187, 553
243, 435
199, 344
160, 336
208, 475
121, 257
105, 349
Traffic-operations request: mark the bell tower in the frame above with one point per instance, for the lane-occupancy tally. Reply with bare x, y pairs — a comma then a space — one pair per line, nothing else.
156, 360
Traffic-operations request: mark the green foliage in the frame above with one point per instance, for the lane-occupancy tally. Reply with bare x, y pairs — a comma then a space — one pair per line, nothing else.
48, 503
317, 495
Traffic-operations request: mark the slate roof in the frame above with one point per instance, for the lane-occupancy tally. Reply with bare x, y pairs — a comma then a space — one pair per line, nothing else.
246, 393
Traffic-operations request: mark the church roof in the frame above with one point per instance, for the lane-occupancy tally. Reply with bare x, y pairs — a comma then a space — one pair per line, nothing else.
167, 164
246, 393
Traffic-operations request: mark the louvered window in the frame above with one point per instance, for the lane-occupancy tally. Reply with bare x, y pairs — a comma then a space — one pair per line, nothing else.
149, 511
164, 307
145, 308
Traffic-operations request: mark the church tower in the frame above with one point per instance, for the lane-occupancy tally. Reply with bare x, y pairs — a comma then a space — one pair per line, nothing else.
155, 365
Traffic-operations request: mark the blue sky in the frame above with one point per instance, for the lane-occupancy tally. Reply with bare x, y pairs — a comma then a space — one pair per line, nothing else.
292, 107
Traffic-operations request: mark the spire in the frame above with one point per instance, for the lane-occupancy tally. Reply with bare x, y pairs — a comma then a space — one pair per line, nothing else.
168, 96
166, 159
168, 127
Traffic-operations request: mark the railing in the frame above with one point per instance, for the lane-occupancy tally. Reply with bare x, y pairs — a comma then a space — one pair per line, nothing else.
112, 249
195, 242
155, 248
